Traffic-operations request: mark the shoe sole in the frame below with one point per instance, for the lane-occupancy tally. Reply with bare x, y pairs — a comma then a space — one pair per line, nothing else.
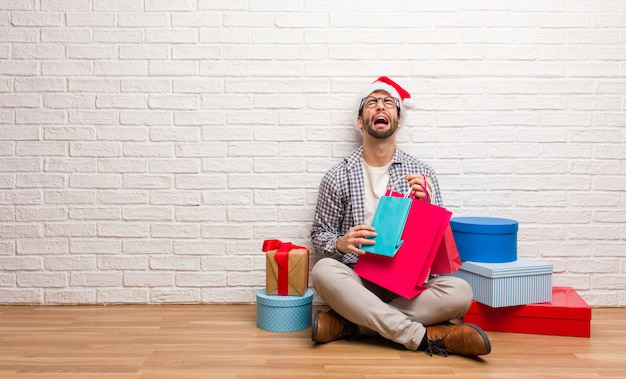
314, 327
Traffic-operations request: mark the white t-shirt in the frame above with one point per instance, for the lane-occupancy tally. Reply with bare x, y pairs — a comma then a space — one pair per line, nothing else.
376, 180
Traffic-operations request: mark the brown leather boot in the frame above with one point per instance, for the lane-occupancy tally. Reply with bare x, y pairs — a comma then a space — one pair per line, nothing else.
463, 339
330, 326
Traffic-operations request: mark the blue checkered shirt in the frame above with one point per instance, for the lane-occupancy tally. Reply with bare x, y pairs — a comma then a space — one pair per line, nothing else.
341, 203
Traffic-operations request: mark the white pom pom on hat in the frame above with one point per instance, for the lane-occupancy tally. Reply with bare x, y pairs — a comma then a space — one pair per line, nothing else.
383, 83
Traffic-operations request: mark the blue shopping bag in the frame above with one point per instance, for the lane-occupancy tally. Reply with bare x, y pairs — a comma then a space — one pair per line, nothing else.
389, 220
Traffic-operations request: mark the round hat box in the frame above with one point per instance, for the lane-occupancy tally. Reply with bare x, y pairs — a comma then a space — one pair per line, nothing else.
485, 239
278, 313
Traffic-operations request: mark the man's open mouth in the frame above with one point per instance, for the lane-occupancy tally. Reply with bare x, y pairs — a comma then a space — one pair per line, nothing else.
381, 120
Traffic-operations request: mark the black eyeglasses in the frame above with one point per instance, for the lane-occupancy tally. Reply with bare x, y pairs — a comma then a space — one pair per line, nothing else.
388, 101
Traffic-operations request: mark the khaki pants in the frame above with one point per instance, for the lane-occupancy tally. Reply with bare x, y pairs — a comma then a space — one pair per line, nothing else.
377, 310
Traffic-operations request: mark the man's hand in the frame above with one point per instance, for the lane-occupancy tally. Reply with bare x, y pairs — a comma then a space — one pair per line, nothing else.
356, 236
416, 182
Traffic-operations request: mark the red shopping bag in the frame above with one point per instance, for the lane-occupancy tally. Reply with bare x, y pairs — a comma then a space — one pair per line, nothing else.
447, 259
406, 272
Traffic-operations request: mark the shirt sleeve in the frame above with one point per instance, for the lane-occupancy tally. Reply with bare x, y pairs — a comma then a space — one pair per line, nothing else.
328, 218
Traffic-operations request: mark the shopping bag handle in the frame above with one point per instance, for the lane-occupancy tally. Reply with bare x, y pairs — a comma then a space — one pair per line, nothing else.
393, 185
408, 194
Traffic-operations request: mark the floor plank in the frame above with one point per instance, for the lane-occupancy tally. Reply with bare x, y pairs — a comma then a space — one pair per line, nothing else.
222, 341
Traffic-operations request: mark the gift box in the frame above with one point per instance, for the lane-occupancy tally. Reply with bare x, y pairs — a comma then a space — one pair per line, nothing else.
284, 313
566, 315
485, 239
524, 281
286, 268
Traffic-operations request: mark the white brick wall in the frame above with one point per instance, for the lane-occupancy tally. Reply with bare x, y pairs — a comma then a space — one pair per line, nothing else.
147, 147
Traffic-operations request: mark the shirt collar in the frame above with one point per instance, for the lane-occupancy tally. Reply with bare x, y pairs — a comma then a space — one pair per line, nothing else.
355, 158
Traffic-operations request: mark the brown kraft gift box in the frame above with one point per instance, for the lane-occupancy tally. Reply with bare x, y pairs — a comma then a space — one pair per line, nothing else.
286, 268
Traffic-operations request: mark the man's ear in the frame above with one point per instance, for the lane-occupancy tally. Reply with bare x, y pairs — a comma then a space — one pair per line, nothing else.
359, 123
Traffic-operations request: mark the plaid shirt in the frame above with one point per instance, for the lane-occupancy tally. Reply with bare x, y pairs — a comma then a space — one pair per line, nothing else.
341, 203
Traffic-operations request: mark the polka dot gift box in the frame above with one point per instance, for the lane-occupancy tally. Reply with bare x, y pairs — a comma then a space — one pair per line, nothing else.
284, 313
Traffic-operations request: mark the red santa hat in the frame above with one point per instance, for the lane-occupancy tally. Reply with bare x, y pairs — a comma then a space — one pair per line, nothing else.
393, 89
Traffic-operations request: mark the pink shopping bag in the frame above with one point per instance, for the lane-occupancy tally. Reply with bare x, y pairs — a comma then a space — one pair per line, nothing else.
447, 259
406, 272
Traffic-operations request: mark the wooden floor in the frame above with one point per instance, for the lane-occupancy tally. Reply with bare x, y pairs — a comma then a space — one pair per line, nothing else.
222, 341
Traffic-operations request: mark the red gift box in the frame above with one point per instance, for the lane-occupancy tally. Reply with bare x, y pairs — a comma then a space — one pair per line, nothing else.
566, 315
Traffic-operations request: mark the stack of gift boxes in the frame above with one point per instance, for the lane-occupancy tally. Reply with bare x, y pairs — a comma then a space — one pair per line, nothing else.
285, 305
513, 294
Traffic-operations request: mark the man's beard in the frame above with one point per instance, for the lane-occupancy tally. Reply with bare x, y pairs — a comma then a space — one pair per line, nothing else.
367, 126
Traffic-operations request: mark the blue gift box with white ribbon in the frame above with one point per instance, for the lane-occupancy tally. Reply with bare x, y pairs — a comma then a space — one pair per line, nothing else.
485, 239
523, 281
284, 313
